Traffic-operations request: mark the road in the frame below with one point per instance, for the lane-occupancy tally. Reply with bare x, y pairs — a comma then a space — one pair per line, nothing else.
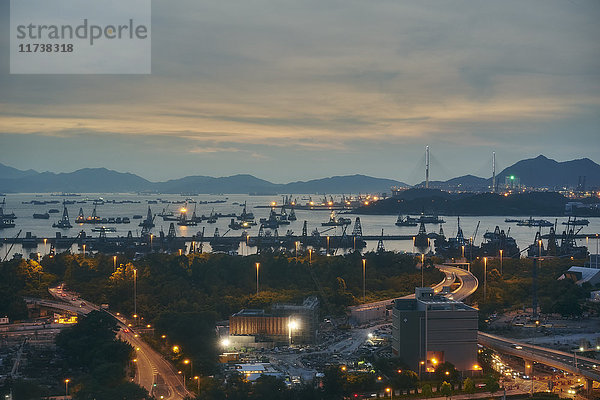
586, 367
151, 367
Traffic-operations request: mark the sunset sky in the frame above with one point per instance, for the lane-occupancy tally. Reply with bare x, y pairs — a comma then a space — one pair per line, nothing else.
294, 90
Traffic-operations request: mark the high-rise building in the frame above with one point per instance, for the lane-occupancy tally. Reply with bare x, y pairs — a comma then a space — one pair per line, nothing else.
432, 329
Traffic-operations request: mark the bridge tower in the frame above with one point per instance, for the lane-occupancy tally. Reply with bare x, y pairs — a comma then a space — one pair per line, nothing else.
494, 172
426, 167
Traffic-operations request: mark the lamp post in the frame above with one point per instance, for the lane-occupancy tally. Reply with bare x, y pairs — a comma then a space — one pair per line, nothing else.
151, 236
327, 245
364, 265
389, 390
309, 257
422, 270
257, 267
501, 251
83, 251
45, 240
413, 245
197, 378
292, 324
296, 245
135, 291
484, 278
540, 248
67, 387
463, 251
114, 263
186, 362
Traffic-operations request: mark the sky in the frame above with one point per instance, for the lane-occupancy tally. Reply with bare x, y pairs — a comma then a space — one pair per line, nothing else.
288, 90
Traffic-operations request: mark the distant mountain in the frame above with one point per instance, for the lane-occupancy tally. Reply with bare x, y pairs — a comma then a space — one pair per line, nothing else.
536, 172
465, 182
82, 180
544, 172
207, 184
89, 180
343, 184
13, 173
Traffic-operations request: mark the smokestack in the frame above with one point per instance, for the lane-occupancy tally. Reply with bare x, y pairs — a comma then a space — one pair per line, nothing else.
427, 167
494, 172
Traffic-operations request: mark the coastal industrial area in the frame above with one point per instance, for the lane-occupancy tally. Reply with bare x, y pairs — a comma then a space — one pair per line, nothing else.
363, 302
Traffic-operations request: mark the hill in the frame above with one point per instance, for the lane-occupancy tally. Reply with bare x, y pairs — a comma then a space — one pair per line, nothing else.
544, 172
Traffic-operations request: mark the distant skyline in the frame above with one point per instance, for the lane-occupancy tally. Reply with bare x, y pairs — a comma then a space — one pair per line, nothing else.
294, 91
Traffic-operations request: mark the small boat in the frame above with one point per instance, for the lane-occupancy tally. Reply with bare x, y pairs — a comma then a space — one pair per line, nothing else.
292, 216
41, 216
577, 222
126, 220
405, 221
509, 220
103, 229
535, 222
53, 211
137, 216
334, 221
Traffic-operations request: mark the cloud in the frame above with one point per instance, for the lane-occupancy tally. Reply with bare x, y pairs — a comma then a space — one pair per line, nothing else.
337, 79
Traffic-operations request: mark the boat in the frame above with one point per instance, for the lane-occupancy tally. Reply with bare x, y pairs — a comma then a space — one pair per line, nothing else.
245, 215
212, 218
235, 225
535, 222
404, 221
41, 216
292, 216
426, 219
184, 221
103, 229
53, 211
126, 220
4, 215
149, 221
334, 221
64, 223
137, 216
509, 220
80, 217
499, 241
111, 220
7, 222
577, 222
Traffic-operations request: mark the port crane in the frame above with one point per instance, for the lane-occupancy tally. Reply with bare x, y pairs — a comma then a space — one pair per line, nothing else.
11, 246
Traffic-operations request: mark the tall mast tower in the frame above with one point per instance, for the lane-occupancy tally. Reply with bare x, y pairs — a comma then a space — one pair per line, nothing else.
493, 172
427, 167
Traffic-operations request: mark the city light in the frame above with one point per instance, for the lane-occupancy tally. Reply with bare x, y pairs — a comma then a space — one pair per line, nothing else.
175, 349
225, 342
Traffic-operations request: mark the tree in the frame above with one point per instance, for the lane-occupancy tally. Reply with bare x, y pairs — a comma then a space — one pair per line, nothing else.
491, 384
446, 389
426, 390
469, 386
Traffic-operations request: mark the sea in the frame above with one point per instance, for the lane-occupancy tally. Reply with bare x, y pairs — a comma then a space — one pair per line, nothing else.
130, 204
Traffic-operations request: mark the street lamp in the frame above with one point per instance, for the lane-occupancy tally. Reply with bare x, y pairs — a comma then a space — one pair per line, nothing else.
83, 251
309, 257
134, 291
257, 267
197, 378
296, 245
327, 245
151, 236
463, 251
484, 278
67, 387
501, 251
540, 248
45, 240
364, 265
292, 324
114, 263
389, 390
422, 269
